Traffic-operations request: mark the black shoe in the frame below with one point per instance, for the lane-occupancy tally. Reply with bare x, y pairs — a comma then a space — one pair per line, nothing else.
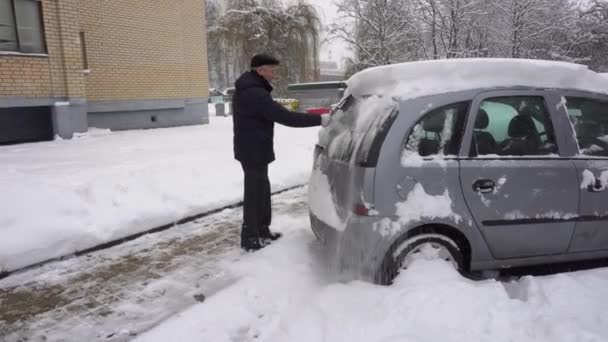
252, 244
266, 234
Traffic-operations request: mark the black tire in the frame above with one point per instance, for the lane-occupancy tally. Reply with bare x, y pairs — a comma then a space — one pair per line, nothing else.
391, 265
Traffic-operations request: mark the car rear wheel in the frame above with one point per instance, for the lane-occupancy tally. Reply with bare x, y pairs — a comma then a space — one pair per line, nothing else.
427, 246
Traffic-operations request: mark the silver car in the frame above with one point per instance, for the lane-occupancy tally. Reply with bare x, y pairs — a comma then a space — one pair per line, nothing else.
488, 164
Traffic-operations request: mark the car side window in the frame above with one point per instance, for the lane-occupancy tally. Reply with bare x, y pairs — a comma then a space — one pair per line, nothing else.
439, 132
590, 122
513, 126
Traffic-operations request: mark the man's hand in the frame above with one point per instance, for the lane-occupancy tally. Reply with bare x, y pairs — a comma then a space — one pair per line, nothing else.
325, 120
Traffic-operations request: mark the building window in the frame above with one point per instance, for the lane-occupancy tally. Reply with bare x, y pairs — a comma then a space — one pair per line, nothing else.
21, 27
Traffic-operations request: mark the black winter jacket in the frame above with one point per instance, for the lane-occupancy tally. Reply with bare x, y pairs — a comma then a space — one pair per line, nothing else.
255, 113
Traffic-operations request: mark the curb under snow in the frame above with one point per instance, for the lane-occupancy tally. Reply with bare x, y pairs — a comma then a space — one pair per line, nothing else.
132, 237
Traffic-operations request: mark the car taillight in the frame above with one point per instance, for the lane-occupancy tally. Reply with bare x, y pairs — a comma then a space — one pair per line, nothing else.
361, 209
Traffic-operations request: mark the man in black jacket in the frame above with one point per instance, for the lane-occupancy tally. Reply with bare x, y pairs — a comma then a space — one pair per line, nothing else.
255, 113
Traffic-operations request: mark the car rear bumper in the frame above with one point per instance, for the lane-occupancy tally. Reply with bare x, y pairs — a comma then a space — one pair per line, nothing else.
326, 234
357, 251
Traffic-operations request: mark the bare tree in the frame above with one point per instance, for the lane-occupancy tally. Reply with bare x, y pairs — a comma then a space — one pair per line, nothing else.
588, 38
248, 27
525, 28
454, 27
384, 31
377, 30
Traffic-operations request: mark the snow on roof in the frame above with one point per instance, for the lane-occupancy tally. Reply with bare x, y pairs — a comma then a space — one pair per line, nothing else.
416, 79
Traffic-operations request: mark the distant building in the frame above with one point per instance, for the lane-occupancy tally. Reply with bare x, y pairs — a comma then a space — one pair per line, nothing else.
329, 71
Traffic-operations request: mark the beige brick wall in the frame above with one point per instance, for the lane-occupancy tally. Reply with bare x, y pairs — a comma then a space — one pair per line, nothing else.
137, 49
60, 73
63, 44
142, 49
24, 77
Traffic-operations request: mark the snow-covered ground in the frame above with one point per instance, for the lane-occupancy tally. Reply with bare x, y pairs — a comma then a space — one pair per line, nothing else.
67, 195
285, 292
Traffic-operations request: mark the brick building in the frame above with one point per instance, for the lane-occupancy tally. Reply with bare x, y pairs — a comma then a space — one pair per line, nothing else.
66, 65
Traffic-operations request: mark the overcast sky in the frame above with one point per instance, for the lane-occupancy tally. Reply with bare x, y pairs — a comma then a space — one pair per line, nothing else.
335, 50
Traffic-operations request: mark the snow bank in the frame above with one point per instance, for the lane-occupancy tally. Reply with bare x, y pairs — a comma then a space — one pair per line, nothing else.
415, 79
321, 201
67, 195
285, 294
588, 179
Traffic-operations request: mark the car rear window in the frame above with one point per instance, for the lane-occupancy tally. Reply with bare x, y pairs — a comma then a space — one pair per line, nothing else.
357, 127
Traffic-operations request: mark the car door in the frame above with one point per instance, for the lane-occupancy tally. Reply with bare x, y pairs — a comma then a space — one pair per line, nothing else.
522, 194
589, 118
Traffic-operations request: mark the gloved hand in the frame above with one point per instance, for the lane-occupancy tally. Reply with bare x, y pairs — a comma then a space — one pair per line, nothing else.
325, 120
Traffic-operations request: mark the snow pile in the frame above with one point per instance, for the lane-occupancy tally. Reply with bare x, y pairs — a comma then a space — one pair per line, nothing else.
92, 133
387, 228
604, 179
416, 79
588, 179
63, 196
411, 159
556, 215
321, 201
501, 181
285, 294
420, 205
515, 215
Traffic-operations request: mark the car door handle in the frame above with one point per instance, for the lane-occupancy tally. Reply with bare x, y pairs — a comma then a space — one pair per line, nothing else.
484, 186
597, 187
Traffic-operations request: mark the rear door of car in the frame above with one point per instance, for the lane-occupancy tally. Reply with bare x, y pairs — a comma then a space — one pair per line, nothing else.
588, 114
522, 193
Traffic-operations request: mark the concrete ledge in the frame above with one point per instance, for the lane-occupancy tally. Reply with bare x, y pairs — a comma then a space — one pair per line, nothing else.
142, 114
76, 115
7, 102
135, 105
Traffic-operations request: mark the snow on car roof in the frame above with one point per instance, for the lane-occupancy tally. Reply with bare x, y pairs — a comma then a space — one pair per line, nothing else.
416, 79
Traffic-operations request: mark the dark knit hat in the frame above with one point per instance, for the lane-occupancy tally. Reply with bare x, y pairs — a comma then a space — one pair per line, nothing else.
263, 59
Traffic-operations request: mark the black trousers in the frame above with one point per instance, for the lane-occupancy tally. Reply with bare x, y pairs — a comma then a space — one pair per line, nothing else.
257, 209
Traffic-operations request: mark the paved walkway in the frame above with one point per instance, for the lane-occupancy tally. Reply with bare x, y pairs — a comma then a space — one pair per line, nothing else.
114, 294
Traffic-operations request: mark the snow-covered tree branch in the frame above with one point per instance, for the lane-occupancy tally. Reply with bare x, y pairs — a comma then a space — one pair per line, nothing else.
388, 31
